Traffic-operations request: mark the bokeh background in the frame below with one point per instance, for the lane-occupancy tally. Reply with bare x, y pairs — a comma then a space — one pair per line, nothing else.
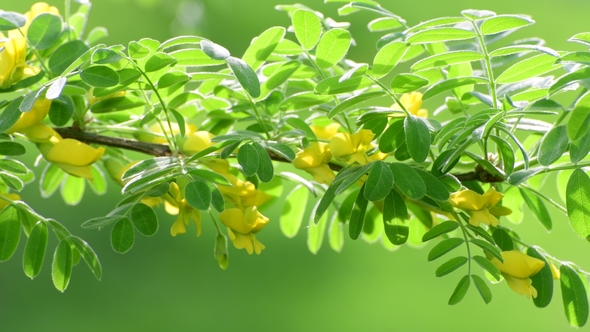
174, 284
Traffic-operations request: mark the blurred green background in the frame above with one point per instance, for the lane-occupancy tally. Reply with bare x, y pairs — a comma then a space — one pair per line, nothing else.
174, 284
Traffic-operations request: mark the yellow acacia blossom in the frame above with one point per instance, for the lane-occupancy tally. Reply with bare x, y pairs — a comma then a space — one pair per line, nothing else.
35, 115
176, 204
517, 270
481, 208
327, 132
412, 102
71, 155
242, 225
13, 65
314, 159
4, 203
353, 148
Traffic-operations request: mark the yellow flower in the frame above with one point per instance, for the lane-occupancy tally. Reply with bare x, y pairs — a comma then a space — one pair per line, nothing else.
517, 270
197, 142
4, 203
412, 102
327, 132
241, 227
71, 155
176, 204
352, 148
34, 116
242, 194
314, 159
481, 208
13, 66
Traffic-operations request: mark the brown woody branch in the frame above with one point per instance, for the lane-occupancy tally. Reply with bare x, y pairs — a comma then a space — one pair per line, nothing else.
160, 150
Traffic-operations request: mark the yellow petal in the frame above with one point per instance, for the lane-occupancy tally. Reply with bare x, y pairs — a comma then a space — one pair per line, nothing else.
322, 174
327, 132
178, 227
521, 286
482, 216
197, 142
32, 117
518, 264
234, 219
75, 153
40, 133
468, 200
314, 155
341, 145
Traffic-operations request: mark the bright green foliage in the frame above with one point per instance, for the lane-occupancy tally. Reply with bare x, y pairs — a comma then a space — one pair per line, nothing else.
221, 136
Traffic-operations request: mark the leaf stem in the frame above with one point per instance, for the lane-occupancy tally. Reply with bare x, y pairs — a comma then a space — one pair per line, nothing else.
488, 63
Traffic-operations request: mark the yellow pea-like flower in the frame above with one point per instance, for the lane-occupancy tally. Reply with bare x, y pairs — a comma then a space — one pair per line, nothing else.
327, 132
71, 155
175, 204
352, 148
412, 102
313, 159
481, 208
37, 113
517, 269
13, 65
242, 225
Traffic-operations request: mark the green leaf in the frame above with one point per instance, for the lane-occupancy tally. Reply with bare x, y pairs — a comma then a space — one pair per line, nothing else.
475, 15
137, 51
315, 233
198, 195
208, 175
408, 181
582, 38
417, 138
553, 145
44, 31
542, 281
214, 51
100, 76
50, 180
281, 75
332, 47
520, 176
404, 83
194, 58
440, 229
488, 266
354, 100
450, 84
100, 222
444, 247
71, 54
333, 85
293, 211
439, 34
117, 104
263, 46
9, 232
265, 169
159, 61
55, 88
502, 23
460, 290
11, 20
447, 58
12, 181
122, 236
61, 268
72, 189
13, 166
245, 75
384, 24
336, 235
435, 189
61, 111
437, 22
103, 56
88, 255
379, 181
357, 216
308, 28
11, 114
536, 206
578, 202
579, 121
482, 288
568, 80
506, 152
35, 250
487, 247
388, 57
355, 173
393, 137
248, 159
396, 229
528, 68
503, 239
450, 266
282, 150
575, 297
145, 219
515, 49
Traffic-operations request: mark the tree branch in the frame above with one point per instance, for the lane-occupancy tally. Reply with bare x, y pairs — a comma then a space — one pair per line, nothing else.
161, 150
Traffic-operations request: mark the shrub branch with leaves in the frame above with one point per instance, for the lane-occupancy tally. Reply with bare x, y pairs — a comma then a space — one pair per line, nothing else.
213, 136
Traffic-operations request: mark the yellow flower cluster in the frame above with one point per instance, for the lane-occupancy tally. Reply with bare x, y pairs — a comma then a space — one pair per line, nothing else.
481, 208
71, 155
13, 65
517, 270
175, 204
